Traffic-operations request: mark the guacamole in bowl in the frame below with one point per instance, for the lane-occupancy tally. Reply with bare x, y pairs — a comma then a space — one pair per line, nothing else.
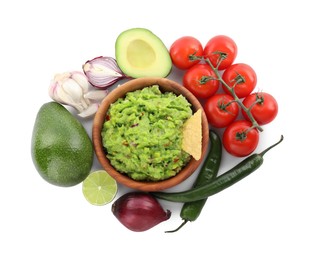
142, 134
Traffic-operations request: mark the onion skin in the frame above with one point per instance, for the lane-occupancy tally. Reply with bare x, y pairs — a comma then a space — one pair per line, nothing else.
139, 211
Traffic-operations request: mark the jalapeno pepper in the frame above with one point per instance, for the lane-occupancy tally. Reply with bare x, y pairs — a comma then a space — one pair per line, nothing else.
237, 173
191, 210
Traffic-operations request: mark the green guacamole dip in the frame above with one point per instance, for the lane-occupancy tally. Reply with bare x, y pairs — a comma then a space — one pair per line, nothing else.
142, 135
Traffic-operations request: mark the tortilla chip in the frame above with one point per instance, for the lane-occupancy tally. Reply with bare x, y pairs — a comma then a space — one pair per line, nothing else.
192, 135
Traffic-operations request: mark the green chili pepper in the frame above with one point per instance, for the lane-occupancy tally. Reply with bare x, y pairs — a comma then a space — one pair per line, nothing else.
191, 210
237, 173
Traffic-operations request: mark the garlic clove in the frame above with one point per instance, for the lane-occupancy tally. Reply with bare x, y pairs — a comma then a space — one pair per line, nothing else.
89, 111
66, 90
72, 90
52, 91
96, 95
81, 79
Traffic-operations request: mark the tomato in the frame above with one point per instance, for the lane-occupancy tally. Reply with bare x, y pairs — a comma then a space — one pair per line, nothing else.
265, 110
239, 139
221, 44
242, 73
182, 49
221, 110
201, 81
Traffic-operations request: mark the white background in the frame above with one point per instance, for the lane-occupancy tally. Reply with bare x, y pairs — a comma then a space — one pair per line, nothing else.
265, 216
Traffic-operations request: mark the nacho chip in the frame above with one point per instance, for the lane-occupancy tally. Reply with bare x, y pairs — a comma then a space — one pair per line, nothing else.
192, 135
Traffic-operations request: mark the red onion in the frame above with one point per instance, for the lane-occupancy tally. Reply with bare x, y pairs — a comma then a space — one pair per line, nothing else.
102, 72
139, 211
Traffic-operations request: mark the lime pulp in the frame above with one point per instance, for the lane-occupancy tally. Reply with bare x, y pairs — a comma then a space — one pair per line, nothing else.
99, 188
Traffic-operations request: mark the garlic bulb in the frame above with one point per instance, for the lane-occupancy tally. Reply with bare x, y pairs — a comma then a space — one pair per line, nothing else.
73, 89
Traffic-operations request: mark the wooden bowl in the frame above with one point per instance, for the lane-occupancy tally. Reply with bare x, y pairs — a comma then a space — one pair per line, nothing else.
119, 92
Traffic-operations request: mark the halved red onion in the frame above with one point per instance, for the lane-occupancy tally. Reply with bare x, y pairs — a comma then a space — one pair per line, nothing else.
102, 72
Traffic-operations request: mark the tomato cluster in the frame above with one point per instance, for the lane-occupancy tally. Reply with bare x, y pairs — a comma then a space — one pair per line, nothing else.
226, 90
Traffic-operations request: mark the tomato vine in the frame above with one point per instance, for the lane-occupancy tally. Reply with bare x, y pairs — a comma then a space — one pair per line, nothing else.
231, 90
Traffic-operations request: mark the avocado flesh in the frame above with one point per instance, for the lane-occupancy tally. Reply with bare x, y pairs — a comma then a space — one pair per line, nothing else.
61, 149
140, 53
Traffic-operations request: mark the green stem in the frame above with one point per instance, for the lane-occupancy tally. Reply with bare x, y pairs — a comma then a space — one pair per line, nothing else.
228, 103
270, 147
175, 230
232, 92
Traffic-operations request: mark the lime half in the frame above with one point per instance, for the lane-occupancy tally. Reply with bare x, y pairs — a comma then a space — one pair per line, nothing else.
99, 188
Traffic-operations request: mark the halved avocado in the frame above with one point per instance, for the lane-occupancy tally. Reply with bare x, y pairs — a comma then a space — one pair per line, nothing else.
140, 53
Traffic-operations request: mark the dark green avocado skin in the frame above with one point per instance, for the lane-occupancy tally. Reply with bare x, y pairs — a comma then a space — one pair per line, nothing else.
62, 151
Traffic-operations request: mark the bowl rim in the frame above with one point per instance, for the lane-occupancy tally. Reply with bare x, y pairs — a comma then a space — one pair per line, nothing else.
120, 91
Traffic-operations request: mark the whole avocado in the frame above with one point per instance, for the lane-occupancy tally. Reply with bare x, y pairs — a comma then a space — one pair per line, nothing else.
61, 149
